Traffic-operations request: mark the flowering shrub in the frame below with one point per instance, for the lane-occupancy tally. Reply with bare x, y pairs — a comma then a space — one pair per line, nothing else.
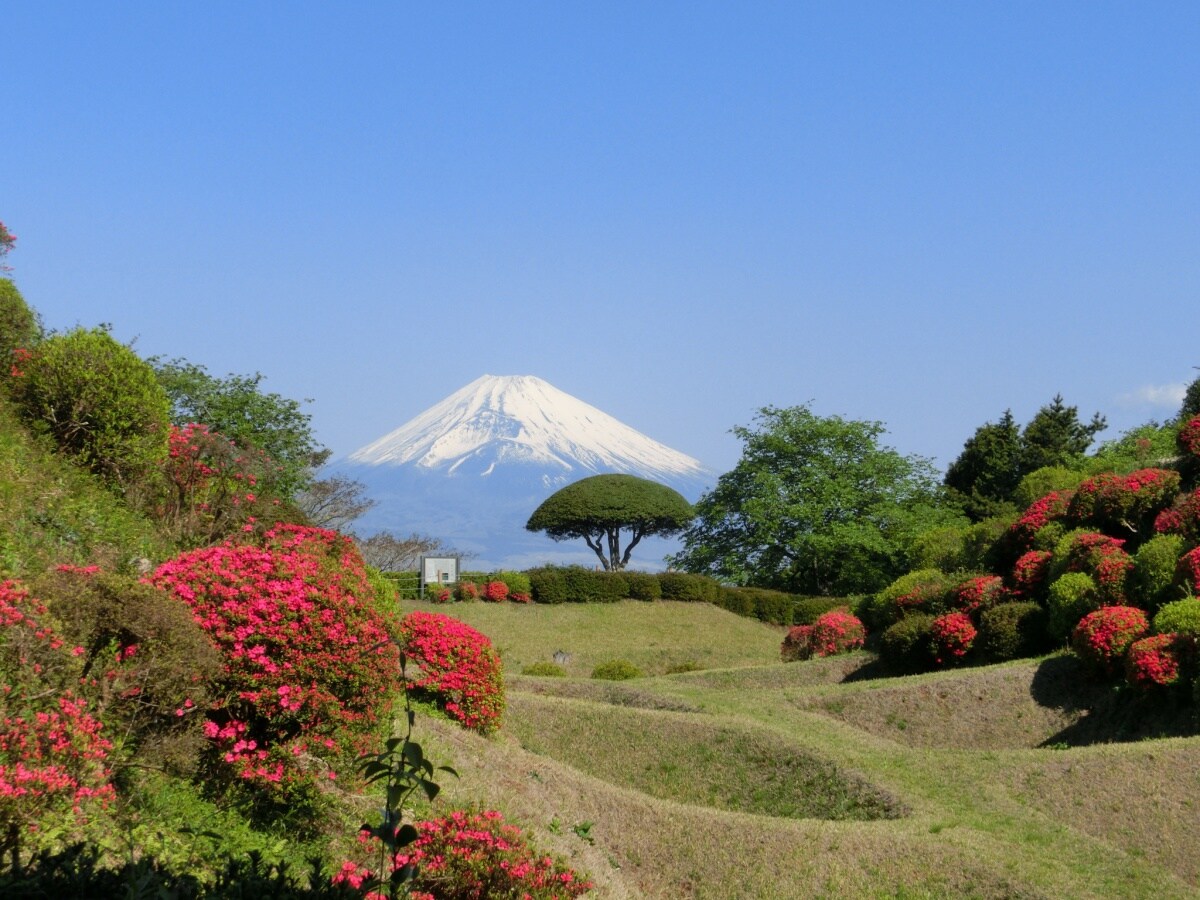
52, 753
1189, 436
979, 593
1029, 573
837, 631
1158, 661
1103, 558
309, 663
475, 856
1102, 637
1041, 512
519, 597
459, 668
1187, 570
1123, 501
923, 590
1182, 518
953, 635
466, 590
495, 591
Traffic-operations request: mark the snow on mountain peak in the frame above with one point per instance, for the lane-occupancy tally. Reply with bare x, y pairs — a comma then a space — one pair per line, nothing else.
499, 419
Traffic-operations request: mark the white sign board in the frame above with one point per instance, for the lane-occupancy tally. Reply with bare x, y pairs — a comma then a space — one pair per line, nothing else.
438, 570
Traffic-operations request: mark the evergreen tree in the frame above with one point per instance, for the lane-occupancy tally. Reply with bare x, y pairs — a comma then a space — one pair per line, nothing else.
987, 472
1056, 437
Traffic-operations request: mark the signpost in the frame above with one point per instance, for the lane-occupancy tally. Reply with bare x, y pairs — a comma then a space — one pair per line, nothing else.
439, 571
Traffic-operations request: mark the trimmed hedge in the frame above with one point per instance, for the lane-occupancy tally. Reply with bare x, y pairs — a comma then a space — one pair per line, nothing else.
688, 588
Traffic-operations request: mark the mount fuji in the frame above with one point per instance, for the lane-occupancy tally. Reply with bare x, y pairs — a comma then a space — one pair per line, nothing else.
471, 469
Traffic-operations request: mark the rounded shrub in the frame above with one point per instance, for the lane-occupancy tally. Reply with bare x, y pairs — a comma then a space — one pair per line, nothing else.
1187, 571
1072, 596
1123, 503
1180, 617
687, 587
1102, 637
1012, 631
1040, 513
1152, 580
806, 610
594, 586
458, 666
545, 670
465, 591
978, 593
907, 645
1099, 555
1160, 661
1043, 481
1181, 518
833, 632
925, 591
1031, 574
547, 585
518, 582
98, 400
495, 591
19, 328
616, 670
952, 636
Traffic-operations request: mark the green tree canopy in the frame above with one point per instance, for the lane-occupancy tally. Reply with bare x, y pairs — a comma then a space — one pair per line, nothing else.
1191, 401
598, 508
987, 472
815, 505
1056, 437
237, 408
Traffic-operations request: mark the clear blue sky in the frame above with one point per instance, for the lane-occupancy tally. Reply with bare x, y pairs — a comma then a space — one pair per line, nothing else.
919, 213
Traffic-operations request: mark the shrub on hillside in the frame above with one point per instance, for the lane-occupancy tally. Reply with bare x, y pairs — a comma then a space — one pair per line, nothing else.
643, 585
547, 585
924, 591
465, 591
1181, 518
1043, 481
687, 587
978, 593
495, 591
459, 668
1123, 503
1187, 571
1072, 596
19, 329
310, 666
595, 585
1181, 617
806, 610
1098, 555
53, 756
952, 636
1012, 631
518, 582
1103, 637
836, 631
1041, 512
616, 670
1030, 575
907, 646
1151, 582
1188, 438
99, 401
1160, 661
545, 670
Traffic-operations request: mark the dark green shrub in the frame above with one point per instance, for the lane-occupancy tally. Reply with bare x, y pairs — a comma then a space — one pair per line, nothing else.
98, 400
1072, 596
1048, 536
735, 600
592, 586
925, 590
907, 645
545, 670
1152, 581
688, 588
1041, 482
548, 585
19, 326
806, 610
1012, 631
770, 606
1180, 617
643, 585
518, 582
616, 670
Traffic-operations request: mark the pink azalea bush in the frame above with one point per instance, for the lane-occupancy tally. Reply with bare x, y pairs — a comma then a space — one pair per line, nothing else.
837, 631
1030, 573
979, 593
495, 591
1104, 636
459, 668
1182, 517
1189, 437
1159, 661
1104, 558
53, 754
953, 636
1041, 512
475, 856
1121, 501
310, 666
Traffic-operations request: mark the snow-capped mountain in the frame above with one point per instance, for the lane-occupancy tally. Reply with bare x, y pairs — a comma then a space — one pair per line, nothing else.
472, 468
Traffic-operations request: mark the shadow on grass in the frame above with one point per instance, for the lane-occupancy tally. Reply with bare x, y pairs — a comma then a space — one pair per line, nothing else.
1108, 712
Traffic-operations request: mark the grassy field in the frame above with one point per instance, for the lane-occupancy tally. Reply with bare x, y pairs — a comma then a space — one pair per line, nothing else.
750, 778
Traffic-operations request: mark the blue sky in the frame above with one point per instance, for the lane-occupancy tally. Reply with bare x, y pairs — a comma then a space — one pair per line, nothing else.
918, 213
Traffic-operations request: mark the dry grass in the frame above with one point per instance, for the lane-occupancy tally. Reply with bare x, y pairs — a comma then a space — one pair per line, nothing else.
690, 782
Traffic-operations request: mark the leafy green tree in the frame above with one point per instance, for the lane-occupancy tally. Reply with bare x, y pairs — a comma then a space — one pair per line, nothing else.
7, 240
598, 508
98, 400
20, 328
815, 505
987, 472
237, 407
1056, 437
1191, 401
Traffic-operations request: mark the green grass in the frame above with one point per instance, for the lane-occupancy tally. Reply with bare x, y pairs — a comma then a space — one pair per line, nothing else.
760, 779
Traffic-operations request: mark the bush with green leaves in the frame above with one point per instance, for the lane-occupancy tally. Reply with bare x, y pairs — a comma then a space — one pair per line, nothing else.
548, 585
643, 585
806, 610
1180, 617
98, 400
1152, 581
616, 670
1012, 631
1104, 636
19, 327
1072, 596
518, 582
545, 670
907, 645
687, 587
925, 591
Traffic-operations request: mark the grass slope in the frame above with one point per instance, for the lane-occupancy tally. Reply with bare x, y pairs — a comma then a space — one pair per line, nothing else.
725, 782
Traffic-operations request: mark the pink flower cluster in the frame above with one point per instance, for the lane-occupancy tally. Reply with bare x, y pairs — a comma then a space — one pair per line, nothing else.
1183, 517
1104, 558
495, 591
475, 855
52, 752
837, 631
458, 666
1103, 637
1157, 661
953, 636
1040, 513
1030, 571
1189, 436
1122, 500
1189, 568
979, 593
310, 664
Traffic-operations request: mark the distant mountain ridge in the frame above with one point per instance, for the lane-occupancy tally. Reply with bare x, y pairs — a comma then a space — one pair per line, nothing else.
471, 468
